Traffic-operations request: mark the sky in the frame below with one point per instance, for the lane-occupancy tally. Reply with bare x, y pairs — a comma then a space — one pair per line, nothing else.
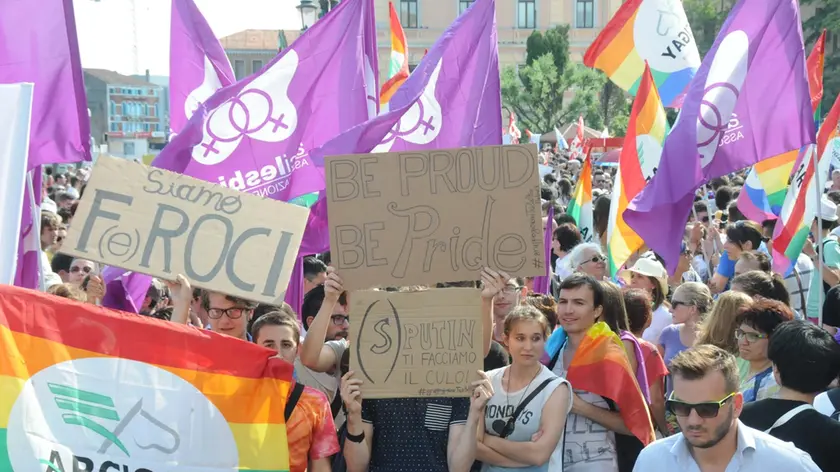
106, 33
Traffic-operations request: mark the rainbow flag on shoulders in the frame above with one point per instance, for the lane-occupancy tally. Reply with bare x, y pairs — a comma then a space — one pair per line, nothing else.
637, 163
87, 388
652, 31
601, 366
398, 71
580, 206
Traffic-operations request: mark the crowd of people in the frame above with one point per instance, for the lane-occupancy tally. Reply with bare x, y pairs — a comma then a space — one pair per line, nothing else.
734, 369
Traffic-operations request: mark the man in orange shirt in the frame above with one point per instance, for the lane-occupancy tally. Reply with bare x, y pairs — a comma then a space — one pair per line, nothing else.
310, 428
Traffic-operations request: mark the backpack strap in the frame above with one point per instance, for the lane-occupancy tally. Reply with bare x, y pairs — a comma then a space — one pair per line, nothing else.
788, 416
293, 400
834, 398
525, 403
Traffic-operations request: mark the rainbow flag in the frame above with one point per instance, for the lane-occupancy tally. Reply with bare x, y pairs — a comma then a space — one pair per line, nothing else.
580, 206
398, 72
87, 388
652, 31
801, 204
601, 366
637, 163
767, 182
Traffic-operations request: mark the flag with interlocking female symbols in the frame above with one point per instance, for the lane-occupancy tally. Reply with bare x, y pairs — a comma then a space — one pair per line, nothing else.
84, 388
256, 134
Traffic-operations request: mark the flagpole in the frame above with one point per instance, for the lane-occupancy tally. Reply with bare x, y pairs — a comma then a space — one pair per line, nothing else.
36, 226
819, 236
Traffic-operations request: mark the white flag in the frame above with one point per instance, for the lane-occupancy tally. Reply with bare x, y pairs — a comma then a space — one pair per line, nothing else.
16, 103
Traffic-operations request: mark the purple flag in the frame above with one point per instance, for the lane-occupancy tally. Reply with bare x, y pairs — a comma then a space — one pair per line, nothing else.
38, 44
542, 284
316, 240
452, 98
28, 270
256, 134
749, 101
124, 290
198, 65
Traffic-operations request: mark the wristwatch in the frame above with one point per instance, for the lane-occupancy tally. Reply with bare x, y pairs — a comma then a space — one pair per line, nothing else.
356, 438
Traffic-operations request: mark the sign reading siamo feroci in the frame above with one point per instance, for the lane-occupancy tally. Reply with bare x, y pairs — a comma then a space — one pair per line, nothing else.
161, 223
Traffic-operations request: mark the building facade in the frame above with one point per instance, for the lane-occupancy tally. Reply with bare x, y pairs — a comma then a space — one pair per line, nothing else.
425, 20
250, 50
126, 113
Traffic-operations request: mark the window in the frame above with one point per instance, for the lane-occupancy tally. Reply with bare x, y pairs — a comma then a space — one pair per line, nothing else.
585, 14
119, 109
113, 127
113, 108
408, 13
128, 149
526, 14
256, 66
463, 5
239, 69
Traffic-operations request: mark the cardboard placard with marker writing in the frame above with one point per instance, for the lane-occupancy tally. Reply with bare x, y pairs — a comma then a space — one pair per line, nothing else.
161, 223
418, 344
421, 217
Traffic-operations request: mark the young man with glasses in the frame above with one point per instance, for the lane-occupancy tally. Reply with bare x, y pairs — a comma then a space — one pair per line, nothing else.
707, 405
228, 315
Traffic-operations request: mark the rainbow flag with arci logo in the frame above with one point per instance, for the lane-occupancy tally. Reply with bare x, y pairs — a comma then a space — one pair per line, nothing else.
87, 388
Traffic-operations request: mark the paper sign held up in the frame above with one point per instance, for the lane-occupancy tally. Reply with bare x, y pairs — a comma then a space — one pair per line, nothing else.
421, 217
420, 344
161, 223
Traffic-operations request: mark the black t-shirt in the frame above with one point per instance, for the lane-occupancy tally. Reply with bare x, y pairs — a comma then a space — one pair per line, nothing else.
412, 434
814, 433
496, 358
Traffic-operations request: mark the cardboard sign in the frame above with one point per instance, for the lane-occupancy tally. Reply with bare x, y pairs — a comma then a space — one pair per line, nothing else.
408, 218
421, 344
160, 223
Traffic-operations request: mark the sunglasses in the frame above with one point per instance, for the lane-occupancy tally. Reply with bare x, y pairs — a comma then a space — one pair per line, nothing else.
76, 269
704, 410
751, 337
596, 259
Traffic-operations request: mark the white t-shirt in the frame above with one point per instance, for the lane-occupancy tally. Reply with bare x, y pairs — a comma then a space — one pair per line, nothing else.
561, 267
500, 409
589, 447
661, 319
805, 268
823, 404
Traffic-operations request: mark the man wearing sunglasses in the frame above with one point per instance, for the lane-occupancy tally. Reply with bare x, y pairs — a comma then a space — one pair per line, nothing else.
707, 405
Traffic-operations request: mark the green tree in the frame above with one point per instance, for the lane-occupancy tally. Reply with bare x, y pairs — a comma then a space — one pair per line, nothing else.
536, 93
706, 17
615, 108
826, 17
326, 6
554, 41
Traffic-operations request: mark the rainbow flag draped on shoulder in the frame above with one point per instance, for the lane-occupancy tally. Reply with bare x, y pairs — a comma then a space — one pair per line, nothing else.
601, 366
580, 206
652, 31
637, 163
87, 388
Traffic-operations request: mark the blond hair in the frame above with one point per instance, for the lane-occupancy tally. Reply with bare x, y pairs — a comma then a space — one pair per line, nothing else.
718, 329
697, 295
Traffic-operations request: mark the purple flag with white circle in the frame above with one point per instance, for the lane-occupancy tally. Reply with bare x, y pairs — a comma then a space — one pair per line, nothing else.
198, 65
38, 44
255, 135
749, 101
452, 98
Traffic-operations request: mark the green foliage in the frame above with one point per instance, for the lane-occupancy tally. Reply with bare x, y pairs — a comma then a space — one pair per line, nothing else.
326, 6
827, 17
536, 92
706, 17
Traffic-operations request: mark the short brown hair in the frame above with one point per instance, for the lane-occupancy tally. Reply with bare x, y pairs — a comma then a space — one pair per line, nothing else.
276, 318
546, 305
68, 291
49, 220
698, 361
639, 313
526, 313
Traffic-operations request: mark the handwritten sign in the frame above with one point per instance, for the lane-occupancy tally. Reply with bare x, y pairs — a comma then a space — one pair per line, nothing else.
160, 223
422, 217
421, 344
